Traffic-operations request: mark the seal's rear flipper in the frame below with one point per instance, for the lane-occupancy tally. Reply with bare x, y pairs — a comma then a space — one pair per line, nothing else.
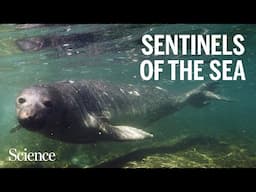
126, 133
202, 95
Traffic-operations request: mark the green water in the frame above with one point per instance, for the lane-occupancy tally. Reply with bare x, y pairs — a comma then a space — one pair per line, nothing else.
114, 54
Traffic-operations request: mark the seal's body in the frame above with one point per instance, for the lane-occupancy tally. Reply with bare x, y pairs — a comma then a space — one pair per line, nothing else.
90, 111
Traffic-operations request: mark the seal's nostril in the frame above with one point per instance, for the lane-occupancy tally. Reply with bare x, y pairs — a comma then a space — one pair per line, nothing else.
21, 100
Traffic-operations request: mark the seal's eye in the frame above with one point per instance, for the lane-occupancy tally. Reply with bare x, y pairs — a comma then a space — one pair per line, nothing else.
21, 100
48, 104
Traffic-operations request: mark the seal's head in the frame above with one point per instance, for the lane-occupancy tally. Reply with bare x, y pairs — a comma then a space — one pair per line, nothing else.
38, 106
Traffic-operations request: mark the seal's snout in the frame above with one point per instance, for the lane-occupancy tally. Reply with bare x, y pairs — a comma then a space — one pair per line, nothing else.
26, 115
31, 117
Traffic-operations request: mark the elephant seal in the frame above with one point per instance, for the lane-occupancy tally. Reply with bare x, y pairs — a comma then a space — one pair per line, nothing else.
89, 111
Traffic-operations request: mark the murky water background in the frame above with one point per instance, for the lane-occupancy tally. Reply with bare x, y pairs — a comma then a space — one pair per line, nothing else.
112, 52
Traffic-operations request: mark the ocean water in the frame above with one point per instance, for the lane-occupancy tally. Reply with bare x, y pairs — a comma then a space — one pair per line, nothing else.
218, 135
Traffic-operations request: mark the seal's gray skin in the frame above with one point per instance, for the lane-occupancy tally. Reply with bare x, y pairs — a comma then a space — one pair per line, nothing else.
91, 111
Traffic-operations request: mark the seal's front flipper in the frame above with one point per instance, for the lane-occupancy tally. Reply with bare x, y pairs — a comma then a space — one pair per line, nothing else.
15, 129
126, 133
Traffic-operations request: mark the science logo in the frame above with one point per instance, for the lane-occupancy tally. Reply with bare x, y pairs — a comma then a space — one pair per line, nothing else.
32, 156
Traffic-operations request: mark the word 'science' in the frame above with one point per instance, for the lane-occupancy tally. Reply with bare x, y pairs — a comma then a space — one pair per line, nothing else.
26, 155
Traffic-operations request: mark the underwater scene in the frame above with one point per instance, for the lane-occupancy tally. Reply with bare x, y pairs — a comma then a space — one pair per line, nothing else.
73, 96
